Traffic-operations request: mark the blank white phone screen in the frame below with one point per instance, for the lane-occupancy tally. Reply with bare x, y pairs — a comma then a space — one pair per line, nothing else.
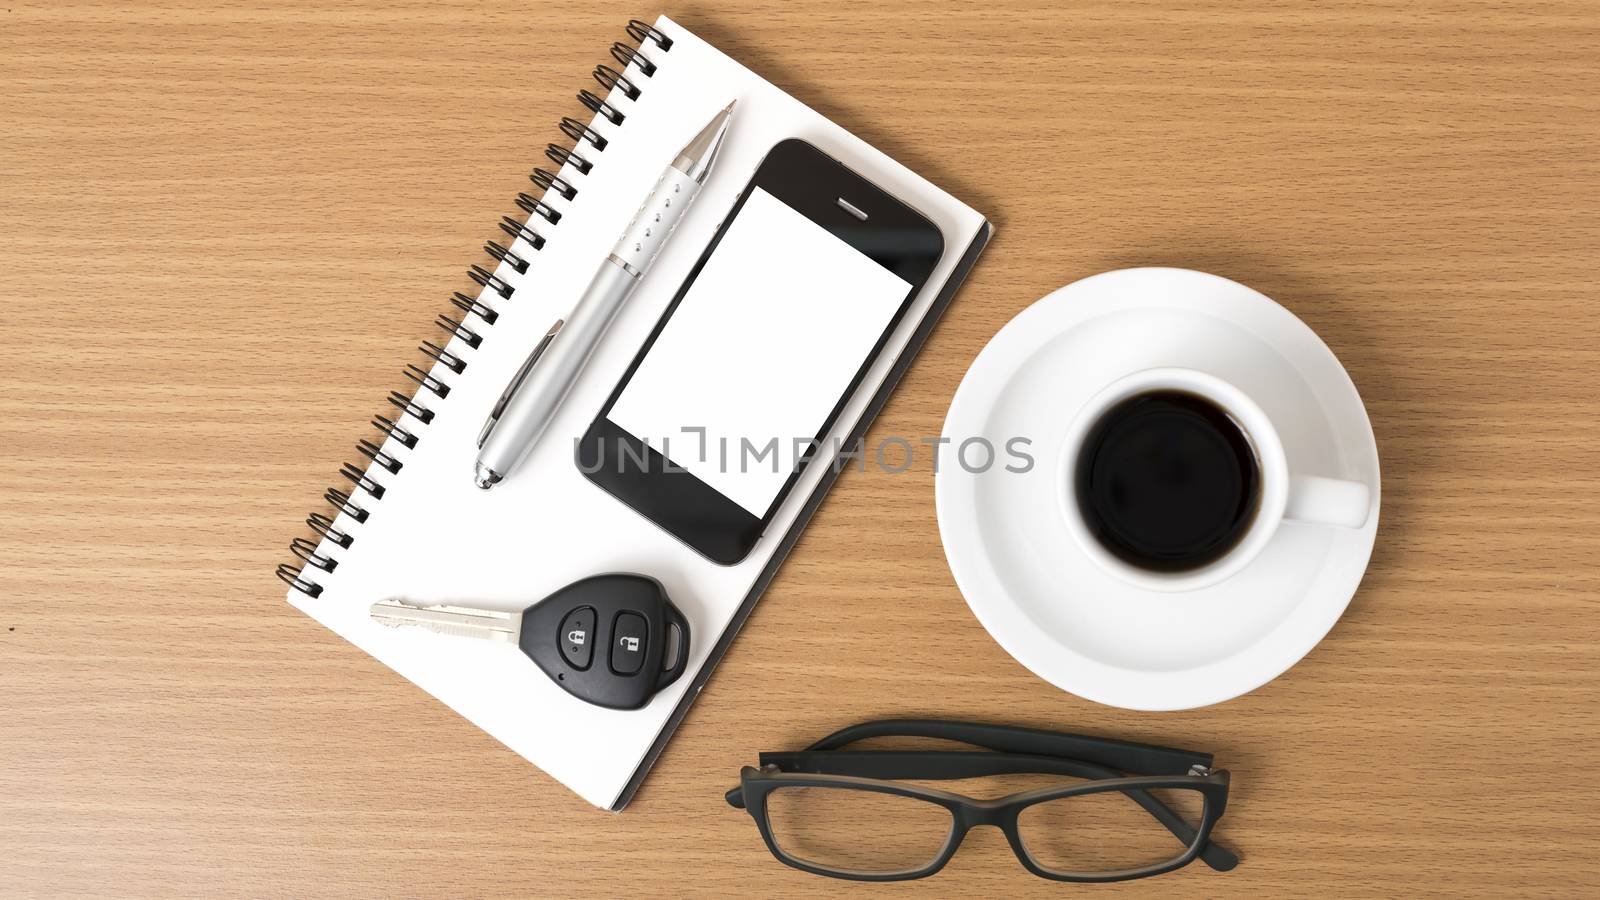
759, 352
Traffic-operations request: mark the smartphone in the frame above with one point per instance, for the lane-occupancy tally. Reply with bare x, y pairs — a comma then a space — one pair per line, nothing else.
738, 387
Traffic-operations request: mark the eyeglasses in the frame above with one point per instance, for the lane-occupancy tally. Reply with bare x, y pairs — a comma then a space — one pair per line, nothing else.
1140, 810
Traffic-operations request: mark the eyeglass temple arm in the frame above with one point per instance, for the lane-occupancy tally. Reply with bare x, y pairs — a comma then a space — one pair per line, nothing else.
1124, 756
944, 765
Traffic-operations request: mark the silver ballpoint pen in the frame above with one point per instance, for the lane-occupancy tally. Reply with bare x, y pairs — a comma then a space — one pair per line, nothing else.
537, 390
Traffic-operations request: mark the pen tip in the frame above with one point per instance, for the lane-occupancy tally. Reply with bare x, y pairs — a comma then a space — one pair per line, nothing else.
485, 478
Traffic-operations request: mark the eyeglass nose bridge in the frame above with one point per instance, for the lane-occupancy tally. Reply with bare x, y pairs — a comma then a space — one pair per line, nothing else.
971, 815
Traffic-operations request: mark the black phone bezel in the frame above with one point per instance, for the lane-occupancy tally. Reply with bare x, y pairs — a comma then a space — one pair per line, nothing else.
893, 234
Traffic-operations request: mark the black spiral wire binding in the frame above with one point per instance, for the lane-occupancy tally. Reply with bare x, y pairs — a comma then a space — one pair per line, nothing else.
561, 156
474, 306
410, 407
549, 181
360, 480
392, 429
612, 80
375, 453
459, 331
597, 105
425, 378
290, 575
623, 83
639, 31
323, 526
533, 206
341, 501
520, 231
444, 357
506, 255
578, 131
627, 56
307, 551
493, 282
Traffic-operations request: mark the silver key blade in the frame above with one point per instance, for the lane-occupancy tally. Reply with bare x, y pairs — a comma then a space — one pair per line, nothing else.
462, 621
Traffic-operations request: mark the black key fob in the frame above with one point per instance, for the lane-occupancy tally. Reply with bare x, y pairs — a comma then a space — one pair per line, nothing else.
606, 639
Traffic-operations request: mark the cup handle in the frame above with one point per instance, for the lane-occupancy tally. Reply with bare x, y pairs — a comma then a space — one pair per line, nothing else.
1329, 501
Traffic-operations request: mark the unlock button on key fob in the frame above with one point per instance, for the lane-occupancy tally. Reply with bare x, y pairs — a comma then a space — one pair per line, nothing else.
630, 639
577, 637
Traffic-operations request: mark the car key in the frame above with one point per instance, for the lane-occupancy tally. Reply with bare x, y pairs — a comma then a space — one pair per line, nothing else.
603, 639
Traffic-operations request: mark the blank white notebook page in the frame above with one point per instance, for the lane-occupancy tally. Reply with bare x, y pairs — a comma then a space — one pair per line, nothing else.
758, 351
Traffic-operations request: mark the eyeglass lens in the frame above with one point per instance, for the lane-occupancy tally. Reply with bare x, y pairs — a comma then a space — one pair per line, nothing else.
857, 832
1106, 831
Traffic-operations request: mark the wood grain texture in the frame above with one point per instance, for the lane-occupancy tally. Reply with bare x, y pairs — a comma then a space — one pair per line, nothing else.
226, 224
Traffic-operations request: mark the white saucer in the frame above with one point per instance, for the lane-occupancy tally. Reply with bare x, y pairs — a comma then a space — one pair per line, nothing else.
1047, 604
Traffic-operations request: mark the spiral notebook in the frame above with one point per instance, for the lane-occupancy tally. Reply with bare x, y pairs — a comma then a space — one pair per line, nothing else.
408, 521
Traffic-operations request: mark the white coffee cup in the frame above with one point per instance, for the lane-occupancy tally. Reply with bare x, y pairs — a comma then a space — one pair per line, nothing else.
1284, 494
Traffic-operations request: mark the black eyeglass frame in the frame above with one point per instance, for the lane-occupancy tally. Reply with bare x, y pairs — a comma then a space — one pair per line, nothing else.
1013, 750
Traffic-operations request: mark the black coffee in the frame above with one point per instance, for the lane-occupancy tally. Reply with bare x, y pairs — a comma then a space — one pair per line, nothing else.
1167, 481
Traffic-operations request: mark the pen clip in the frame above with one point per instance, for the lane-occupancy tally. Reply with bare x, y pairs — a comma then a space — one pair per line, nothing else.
516, 382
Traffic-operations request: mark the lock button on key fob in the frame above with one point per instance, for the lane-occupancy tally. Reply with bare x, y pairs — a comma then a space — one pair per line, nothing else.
577, 637
611, 640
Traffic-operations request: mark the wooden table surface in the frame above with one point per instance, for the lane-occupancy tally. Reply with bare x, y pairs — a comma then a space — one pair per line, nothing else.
226, 224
